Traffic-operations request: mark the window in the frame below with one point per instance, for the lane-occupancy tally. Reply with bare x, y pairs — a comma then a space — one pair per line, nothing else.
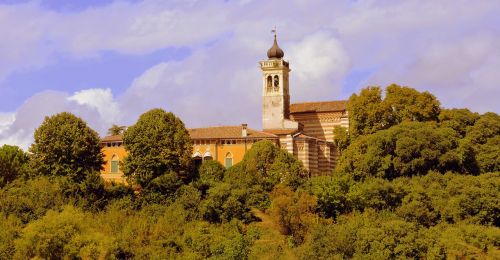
114, 164
269, 83
207, 156
276, 83
229, 160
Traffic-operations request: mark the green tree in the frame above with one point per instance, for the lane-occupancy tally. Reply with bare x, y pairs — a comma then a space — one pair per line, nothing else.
68, 234
488, 155
10, 227
13, 164
341, 138
293, 212
407, 104
486, 127
331, 194
29, 200
211, 173
224, 203
267, 165
368, 112
410, 148
484, 138
65, 146
417, 207
458, 119
116, 129
158, 145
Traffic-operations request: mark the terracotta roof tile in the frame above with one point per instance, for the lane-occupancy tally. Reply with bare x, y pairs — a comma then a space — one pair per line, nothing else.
112, 138
217, 132
326, 106
226, 132
281, 131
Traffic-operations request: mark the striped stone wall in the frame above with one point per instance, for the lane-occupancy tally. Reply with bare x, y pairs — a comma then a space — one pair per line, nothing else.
320, 125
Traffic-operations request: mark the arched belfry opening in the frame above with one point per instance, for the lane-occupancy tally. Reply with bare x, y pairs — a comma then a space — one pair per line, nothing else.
269, 86
276, 83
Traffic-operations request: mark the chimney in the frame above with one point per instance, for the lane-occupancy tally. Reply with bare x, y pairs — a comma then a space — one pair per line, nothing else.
244, 130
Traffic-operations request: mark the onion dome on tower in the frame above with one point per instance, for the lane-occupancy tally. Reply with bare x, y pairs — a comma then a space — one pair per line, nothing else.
275, 52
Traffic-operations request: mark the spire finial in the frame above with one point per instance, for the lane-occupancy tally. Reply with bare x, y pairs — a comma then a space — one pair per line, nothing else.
275, 52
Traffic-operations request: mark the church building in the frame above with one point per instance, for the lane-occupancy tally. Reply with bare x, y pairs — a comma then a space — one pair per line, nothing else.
303, 129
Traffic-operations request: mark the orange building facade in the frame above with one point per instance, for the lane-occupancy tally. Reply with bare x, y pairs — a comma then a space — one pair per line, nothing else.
225, 144
114, 152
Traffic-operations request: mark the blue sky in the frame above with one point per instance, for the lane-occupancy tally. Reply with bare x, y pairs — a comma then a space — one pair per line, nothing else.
109, 61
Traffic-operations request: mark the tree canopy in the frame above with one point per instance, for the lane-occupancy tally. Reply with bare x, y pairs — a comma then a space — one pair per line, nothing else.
116, 130
158, 145
369, 112
266, 164
65, 146
13, 163
410, 148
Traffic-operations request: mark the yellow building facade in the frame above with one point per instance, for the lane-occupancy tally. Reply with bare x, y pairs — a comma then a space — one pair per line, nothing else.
114, 152
303, 129
225, 144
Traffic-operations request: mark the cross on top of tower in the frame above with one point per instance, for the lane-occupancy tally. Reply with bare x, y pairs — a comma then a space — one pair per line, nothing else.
274, 31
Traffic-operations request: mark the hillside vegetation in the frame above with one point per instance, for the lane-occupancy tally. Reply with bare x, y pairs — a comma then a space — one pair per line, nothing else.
414, 180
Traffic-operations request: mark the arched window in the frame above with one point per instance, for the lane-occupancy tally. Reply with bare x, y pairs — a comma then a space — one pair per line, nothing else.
276, 83
229, 160
269, 84
207, 156
115, 161
197, 159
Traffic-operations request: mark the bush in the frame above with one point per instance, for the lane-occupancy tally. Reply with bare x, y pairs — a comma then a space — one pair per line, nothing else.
293, 212
68, 234
30, 200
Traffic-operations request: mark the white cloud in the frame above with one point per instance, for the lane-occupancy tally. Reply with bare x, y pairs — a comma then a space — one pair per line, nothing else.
6, 120
100, 100
319, 62
95, 106
448, 49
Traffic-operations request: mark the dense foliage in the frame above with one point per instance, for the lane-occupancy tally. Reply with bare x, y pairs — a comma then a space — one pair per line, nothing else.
369, 112
116, 130
410, 148
413, 181
159, 149
13, 164
65, 146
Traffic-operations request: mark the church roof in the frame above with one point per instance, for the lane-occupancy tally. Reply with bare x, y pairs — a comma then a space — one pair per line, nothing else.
226, 132
325, 106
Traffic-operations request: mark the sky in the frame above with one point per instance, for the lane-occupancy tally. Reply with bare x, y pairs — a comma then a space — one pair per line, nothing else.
110, 61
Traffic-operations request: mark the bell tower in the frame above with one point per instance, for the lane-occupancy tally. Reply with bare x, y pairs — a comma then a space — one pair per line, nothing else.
275, 91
